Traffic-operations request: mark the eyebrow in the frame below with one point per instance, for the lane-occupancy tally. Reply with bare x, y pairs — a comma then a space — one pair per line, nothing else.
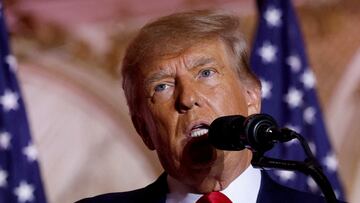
163, 73
191, 63
201, 61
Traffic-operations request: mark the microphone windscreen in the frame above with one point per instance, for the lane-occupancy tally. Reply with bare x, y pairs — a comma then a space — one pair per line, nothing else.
225, 133
256, 129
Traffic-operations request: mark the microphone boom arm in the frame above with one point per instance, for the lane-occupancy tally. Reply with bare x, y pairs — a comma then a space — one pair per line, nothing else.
309, 167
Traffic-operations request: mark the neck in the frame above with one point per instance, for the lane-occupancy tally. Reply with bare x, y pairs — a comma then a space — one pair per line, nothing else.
238, 190
218, 177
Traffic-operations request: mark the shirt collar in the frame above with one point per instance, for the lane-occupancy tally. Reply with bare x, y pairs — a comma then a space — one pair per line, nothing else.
245, 188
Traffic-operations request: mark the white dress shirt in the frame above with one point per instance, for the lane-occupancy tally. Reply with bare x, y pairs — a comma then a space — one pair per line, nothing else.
244, 188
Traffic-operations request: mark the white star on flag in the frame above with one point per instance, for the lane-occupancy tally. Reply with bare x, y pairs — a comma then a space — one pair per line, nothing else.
308, 79
30, 152
291, 142
9, 100
267, 52
24, 192
294, 63
3, 177
312, 184
4, 140
11, 60
330, 162
285, 175
294, 128
265, 89
273, 17
312, 147
294, 97
309, 115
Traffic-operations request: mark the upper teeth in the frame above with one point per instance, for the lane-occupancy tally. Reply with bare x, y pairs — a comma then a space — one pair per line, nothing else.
199, 132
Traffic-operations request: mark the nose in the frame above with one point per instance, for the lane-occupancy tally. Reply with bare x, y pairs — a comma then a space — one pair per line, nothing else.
187, 96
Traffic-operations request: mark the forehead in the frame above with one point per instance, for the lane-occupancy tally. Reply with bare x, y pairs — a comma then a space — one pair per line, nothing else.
202, 53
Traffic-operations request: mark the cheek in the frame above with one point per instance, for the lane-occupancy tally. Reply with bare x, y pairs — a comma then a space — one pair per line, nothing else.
229, 99
164, 121
167, 146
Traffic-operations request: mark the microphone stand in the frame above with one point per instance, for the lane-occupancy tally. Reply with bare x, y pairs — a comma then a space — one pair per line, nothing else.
309, 166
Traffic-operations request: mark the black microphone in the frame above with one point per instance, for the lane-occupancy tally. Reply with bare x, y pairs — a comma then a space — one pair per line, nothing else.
258, 132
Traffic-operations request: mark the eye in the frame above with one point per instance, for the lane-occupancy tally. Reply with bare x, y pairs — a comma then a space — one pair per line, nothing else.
206, 73
161, 87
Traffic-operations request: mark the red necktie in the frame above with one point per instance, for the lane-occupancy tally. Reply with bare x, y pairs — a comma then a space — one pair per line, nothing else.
214, 197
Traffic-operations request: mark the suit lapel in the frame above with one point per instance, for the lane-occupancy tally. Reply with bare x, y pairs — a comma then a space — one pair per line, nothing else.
157, 190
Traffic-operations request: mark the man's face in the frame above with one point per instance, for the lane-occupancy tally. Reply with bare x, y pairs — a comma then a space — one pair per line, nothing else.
183, 95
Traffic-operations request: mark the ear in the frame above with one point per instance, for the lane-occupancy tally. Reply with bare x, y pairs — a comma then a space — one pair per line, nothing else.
253, 99
142, 130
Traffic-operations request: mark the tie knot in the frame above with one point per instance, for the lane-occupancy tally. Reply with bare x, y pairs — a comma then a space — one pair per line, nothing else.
214, 197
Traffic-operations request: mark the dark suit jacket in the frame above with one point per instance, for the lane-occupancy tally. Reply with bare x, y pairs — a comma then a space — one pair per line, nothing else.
270, 192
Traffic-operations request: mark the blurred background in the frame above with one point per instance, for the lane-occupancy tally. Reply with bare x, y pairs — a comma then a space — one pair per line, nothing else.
69, 53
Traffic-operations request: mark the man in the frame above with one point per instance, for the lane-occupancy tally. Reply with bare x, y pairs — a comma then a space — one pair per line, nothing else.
179, 74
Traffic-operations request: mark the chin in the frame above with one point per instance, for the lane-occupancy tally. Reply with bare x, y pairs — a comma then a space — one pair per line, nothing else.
227, 167
205, 169
208, 179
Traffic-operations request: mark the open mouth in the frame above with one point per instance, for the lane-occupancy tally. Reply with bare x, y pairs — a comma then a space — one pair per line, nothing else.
198, 152
199, 130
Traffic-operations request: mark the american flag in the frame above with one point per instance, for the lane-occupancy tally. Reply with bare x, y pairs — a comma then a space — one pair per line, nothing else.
288, 93
19, 172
